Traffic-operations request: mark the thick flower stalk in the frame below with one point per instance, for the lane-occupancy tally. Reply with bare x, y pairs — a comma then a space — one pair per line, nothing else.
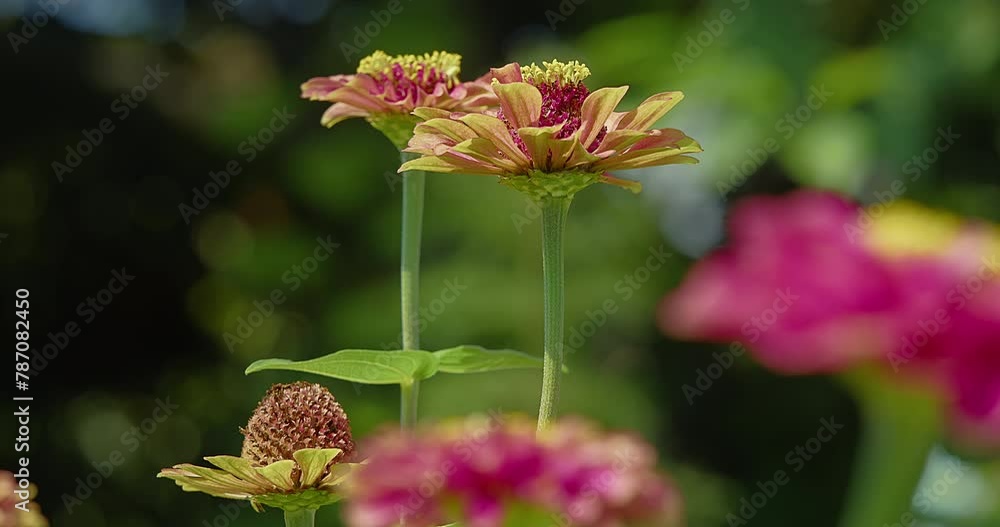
499, 473
17, 508
297, 453
386, 89
550, 138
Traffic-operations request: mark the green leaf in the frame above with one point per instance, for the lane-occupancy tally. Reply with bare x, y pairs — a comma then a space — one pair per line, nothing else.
476, 359
361, 366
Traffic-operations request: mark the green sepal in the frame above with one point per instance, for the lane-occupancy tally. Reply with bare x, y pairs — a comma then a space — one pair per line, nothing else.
397, 127
303, 499
541, 185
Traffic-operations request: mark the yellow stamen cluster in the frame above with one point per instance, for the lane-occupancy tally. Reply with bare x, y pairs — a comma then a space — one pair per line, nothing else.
572, 72
444, 63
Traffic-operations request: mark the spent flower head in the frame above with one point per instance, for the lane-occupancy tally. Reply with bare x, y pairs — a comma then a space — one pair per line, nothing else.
493, 473
386, 89
551, 136
296, 454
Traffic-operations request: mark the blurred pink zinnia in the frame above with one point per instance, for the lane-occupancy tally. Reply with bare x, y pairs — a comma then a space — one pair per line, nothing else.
386, 90
812, 283
791, 286
496, 472
948, 329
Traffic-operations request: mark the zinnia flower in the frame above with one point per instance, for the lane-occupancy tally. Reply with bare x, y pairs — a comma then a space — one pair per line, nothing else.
296, 454
551, 136
16, 506
387, 89
949, 327
812, 283
496, 472
790, 285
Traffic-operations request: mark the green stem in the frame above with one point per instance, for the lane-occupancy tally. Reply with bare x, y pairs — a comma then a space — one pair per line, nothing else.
413, 216
300, 518
554, 211
902, 424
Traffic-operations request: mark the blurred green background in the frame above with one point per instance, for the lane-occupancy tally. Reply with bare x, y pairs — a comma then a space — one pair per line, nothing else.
839, 94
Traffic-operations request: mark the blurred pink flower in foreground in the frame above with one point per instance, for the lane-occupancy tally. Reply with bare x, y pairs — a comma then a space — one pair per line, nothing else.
790, 285
949, 328
812, 283
495, 472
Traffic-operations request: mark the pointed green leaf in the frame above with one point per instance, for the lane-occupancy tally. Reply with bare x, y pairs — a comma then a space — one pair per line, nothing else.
361, 366
476, 359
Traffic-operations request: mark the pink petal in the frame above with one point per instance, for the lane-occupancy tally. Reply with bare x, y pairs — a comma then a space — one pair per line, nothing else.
646, 115
496, 132
521, 103
317, 88
509, 73
597, 107
339, 112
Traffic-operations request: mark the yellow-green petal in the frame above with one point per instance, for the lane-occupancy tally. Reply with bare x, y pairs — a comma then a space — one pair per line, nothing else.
650, 111
279, 474
313, 462
597, 107
521, 103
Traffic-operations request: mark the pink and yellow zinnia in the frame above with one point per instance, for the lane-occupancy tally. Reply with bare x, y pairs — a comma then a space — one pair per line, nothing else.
387, 89
813, 283
551, 136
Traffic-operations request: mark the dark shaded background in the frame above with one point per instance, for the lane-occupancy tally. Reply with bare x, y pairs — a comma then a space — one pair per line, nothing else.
893, 87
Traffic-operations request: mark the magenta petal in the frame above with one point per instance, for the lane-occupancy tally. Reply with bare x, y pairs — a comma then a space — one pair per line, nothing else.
791, 287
